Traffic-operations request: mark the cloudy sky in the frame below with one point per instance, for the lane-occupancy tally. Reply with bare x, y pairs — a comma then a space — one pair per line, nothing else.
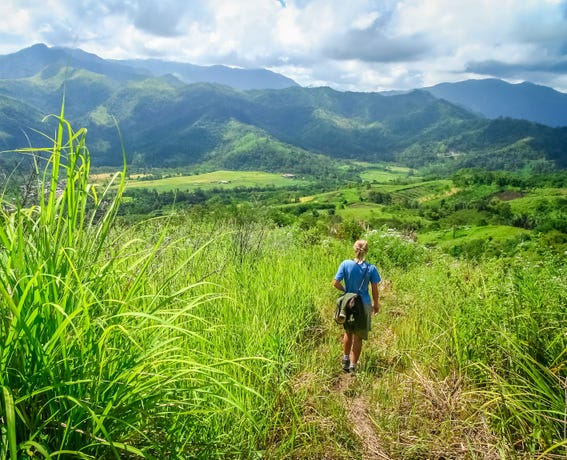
358, 45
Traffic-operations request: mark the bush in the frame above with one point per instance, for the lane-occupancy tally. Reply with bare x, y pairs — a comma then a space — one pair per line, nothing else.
392, 250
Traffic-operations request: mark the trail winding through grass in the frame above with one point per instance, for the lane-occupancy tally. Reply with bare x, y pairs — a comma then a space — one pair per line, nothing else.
355, 406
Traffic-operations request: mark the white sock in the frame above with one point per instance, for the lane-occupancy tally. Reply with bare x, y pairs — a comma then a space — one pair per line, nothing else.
345, 357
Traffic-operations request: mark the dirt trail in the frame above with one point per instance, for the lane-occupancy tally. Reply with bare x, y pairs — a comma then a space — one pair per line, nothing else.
349, 392
356, 408
356, 405
360, 421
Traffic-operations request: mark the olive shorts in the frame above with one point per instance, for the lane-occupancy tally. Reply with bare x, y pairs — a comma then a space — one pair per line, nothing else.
362, 324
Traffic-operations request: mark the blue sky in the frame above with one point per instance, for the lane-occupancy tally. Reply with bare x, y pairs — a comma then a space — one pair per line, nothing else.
357, 45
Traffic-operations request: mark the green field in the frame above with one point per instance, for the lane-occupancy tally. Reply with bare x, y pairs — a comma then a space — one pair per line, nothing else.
217, 180
459, 235
364, 211
384, 174
540, 198
344, 195
421, 191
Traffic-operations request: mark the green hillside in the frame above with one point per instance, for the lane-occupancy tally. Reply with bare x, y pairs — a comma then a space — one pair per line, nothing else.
166, 123
20, 125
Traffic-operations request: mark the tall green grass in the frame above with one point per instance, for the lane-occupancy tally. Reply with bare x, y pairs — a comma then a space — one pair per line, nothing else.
268, 311
201, 335
178, 337
101, 356
498, 324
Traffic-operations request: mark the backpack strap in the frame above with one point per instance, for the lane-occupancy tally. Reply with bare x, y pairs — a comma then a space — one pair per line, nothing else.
363, 277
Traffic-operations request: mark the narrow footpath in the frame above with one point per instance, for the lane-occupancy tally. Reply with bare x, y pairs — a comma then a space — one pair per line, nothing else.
355, 406
337, 395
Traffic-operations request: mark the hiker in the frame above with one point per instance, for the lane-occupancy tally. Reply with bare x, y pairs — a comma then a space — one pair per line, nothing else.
357, 275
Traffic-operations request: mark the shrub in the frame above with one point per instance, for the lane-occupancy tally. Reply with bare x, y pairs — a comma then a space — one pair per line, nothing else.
393, 250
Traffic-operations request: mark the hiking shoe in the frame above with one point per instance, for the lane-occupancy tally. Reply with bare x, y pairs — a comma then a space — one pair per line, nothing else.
352, 369
346, 364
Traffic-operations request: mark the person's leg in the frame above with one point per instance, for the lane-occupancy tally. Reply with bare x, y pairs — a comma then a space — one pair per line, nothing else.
355, 353
347, 346
347, 343
358, 336
356, 349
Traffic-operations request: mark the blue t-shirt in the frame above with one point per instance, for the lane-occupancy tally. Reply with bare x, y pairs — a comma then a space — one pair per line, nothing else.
352, 273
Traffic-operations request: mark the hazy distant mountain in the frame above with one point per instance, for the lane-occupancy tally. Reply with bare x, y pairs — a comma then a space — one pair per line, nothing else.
496, 98
37, 58
173, 126
20, 127
237, 78
164, 121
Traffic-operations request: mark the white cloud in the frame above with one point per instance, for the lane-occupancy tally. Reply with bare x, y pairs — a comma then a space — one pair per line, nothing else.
360, 44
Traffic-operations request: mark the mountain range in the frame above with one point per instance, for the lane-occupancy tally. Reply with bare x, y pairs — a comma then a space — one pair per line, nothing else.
35, 59
174, 114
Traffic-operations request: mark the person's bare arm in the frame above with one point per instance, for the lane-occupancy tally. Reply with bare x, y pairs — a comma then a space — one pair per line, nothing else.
338, 285
375, 298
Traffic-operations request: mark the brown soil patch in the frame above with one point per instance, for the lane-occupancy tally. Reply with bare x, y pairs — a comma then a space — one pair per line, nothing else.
509, 195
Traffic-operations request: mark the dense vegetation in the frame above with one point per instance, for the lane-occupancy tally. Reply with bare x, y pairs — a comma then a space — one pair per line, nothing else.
206, 332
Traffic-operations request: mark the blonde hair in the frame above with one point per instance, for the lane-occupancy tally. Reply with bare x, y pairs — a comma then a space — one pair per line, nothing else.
360, 249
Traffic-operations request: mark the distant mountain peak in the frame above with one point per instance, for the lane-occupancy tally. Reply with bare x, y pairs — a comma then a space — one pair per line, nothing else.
496, 98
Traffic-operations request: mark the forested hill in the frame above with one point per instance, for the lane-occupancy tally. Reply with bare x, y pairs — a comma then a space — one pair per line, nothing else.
166, 122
